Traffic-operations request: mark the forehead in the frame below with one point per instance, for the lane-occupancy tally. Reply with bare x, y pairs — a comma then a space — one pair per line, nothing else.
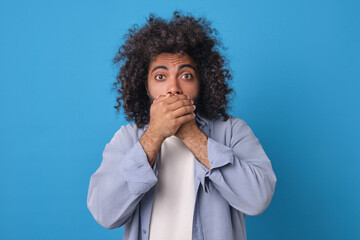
171, 59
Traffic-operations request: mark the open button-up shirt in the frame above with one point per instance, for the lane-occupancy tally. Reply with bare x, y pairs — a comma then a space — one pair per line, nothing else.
240, 182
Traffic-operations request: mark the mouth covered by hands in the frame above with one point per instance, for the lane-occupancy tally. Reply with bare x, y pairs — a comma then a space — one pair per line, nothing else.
169, 112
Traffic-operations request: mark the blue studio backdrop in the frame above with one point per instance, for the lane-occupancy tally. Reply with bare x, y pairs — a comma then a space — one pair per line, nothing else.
296, 72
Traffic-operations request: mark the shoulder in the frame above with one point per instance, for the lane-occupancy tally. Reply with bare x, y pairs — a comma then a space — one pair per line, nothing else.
231, 131
128, 133
232, 123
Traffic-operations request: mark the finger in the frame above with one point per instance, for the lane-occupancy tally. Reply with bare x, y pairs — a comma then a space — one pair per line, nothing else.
163, 95
185, 118
174, 98
159, 98
180, 103
182, 111
187, 96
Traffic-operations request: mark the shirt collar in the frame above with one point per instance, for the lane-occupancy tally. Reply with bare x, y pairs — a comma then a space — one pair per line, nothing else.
202, 120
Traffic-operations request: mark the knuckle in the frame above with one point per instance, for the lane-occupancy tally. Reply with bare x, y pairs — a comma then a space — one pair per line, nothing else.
176, 122
173, 123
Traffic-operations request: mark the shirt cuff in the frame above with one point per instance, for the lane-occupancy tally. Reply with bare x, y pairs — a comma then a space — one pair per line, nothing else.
138, 173
219, 155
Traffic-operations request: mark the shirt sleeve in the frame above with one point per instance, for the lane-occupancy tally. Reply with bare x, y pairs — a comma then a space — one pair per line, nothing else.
241, 172
121, 181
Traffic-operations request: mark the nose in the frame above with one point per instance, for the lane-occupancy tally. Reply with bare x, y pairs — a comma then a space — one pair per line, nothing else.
174, 87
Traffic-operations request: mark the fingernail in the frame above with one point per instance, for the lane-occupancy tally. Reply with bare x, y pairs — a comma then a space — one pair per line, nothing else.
187, 97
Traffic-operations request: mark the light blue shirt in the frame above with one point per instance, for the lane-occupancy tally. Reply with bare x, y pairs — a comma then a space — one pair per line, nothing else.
241, 182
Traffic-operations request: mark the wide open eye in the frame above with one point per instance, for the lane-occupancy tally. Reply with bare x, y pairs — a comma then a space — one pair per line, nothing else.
161, 77
187, 76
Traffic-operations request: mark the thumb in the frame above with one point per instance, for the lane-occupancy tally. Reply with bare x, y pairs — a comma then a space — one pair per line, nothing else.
159, 98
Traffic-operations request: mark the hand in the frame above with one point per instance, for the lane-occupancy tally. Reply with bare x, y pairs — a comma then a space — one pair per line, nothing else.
168, 113
187, 129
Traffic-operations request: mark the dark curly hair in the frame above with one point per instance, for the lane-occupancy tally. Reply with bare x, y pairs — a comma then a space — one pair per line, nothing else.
181, 34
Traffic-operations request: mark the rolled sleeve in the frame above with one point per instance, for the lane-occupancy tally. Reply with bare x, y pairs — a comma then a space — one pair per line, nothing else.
138, 173
219, 155
241, 172
122, 179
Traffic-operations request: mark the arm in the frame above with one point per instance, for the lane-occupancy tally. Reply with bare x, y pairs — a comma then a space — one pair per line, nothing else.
121, 181
151, 144
242, 173
197, 141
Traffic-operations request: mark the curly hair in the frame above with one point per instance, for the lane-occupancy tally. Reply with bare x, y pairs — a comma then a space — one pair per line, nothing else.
181, 34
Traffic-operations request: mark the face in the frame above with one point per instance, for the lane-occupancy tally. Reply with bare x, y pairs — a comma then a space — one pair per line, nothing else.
173, 73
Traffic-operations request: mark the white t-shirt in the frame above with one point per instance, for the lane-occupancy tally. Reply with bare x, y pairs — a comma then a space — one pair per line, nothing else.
174, 199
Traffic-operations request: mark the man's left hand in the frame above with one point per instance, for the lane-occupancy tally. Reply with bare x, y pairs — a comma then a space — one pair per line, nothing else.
187, 129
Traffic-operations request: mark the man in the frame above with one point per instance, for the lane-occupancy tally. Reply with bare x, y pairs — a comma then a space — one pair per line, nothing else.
178, 172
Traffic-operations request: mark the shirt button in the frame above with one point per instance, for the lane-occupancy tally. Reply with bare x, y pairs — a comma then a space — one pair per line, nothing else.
144, 231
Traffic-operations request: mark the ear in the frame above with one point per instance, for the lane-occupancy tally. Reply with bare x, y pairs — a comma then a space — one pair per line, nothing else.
147, 91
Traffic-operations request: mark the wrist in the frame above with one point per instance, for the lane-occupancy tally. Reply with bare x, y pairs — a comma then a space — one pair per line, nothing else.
193, 133
154, 135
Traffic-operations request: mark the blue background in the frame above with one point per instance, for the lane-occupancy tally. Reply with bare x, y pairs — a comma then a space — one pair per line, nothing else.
296, 68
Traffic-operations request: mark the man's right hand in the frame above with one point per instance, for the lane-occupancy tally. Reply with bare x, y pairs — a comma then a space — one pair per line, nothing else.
168, 113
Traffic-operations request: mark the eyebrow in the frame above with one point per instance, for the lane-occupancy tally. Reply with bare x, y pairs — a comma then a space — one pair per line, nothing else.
179, 68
